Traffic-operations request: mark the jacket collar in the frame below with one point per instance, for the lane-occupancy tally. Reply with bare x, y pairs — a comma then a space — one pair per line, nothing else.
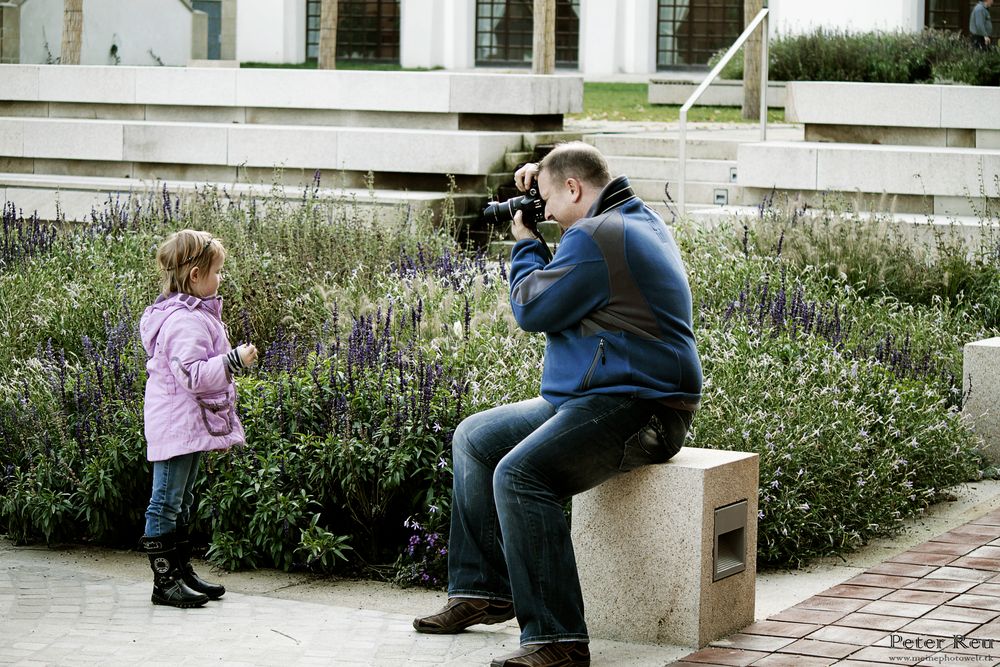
212, 304
614, 194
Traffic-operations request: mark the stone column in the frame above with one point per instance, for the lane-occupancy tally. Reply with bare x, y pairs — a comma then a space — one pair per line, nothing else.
10, 33
199, 35
272, 31
437, 33
227, 47
617, 37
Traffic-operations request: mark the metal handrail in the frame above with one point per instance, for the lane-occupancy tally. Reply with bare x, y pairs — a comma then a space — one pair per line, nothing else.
759, 20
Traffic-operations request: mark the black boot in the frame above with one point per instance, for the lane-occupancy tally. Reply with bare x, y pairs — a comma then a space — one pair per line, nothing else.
168, 580
193, 581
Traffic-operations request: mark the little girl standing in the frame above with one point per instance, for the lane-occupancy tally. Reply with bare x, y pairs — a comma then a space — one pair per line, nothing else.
189, 406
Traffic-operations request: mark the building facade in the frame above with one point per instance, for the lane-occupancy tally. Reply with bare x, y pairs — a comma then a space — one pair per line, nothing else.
592, 36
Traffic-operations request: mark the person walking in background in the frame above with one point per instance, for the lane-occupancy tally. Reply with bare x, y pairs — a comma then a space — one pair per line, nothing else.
981, 25
621, 381
189, 405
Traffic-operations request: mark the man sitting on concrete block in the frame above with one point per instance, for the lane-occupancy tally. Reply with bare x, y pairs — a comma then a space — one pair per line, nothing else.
621, 382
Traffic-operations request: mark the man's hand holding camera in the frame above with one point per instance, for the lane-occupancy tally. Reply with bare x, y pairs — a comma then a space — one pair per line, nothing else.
524, 178
522, 212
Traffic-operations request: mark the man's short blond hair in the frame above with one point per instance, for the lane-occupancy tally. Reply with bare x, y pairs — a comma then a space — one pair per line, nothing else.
575, 159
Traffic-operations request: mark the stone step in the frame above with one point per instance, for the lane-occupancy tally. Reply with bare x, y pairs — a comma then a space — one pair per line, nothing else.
261, 146
534, 139
76, 196
697, 193
720, 93
921, 230
498, 180
515, 158
665, 168
920, 171
663, 145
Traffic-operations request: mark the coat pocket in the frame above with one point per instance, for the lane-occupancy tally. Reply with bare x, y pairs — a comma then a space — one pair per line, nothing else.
217, 413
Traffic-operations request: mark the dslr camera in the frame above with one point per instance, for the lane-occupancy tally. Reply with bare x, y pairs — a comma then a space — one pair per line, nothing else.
531, 205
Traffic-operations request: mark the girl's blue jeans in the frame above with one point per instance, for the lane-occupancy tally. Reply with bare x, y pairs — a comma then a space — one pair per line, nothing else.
173, 494
515, 467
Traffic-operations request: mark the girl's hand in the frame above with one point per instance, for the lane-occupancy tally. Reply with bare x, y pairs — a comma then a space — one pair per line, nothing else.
248, 354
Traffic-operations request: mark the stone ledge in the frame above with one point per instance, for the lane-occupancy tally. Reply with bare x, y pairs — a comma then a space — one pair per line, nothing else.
644, 545
720, 93
434, 92
311, 147
903, 170
892, 105
77, 195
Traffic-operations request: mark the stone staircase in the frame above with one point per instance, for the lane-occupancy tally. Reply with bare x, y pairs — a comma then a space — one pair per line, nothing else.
650, 161
72, 137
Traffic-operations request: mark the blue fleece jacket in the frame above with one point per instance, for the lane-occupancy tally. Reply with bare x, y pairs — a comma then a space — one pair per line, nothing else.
614, 304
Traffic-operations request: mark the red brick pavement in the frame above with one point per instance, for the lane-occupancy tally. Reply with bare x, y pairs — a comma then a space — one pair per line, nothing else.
936, 604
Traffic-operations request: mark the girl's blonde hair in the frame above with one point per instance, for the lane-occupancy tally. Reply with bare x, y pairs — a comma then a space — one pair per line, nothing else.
180, 253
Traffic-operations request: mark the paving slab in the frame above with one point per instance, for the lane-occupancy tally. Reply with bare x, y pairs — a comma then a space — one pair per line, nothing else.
89, 606
899, 611
80, 605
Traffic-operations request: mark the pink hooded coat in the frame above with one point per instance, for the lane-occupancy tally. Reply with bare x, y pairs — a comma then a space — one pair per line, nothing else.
190, 396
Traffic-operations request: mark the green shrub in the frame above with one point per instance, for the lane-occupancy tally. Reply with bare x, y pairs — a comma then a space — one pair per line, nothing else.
851, 398
930, 56
378, 338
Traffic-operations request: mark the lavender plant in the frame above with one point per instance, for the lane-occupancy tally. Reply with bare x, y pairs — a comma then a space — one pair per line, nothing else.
380, 334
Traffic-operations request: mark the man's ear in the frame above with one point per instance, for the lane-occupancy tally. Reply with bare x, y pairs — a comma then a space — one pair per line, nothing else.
575, 191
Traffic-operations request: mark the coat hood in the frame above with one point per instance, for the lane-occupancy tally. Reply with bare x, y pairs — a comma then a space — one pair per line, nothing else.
166, 305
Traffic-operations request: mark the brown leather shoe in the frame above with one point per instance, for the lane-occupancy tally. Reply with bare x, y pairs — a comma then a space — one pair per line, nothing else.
460, 613
556, 654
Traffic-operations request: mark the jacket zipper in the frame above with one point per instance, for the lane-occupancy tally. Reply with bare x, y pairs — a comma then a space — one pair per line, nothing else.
593, 364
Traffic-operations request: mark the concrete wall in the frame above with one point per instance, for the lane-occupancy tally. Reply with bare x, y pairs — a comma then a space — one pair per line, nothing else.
437, 33
617, 37
137, 27
799, 16
271, 31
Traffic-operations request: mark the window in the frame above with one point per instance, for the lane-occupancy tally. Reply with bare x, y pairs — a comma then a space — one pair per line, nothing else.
952, 15
505, 31
367, 30
689, 32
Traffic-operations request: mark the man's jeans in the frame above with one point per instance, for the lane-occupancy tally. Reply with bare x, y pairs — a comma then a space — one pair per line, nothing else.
515, 466
173, 494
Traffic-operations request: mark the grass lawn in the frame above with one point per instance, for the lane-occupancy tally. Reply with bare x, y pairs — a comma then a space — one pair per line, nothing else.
630, 101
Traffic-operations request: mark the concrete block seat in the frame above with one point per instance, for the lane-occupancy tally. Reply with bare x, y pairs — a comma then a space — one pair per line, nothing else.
981, 393
312, 147
721, 92
446, 100
667, 553
934, 179
888, 113
77, 196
